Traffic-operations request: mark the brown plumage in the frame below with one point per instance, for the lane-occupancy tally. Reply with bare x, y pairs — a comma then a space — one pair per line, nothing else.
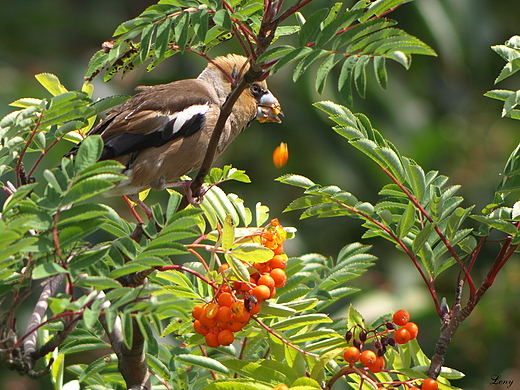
162, 132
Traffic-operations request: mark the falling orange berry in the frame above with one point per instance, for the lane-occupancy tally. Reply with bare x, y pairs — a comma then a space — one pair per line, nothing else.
280, 155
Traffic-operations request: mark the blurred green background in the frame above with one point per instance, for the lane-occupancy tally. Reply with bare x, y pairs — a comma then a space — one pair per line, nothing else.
435, 113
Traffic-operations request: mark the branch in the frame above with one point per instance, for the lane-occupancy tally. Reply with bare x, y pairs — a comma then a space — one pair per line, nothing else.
455, 318
29, 345
131, 362
436, 228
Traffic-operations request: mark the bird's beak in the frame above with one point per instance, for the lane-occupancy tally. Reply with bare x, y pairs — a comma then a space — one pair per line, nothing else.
268, 109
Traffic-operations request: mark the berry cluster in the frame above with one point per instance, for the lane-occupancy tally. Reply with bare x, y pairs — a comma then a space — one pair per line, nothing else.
236, 301
403, 331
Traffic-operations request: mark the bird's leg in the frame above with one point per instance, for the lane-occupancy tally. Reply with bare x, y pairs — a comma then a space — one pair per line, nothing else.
135, 198
186, 185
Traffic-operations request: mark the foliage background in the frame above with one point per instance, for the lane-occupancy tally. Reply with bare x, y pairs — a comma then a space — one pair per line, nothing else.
435, 113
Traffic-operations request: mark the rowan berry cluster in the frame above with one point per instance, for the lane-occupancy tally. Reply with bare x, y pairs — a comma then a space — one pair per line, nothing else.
236, 301
403, 331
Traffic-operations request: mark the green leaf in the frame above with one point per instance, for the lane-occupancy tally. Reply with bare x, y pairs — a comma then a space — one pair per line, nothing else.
86, 189
304, 64
261, 214
237, 384
83, 345
88, 153
97, 366
325, 69
295, 55
354, 318
498, 224
277, 310
228, 233
296, 180
252, 253
146, 42
311, 26
300, 321
255, 370
406, 221
183, 23
164, 30
202, 361
380, 71
98, 282
422, 237
274, 53
51, 83
223, 19
45, 270
415, 176
238, 268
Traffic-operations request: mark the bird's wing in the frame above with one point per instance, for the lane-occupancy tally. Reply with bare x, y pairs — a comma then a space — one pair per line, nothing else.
155, 116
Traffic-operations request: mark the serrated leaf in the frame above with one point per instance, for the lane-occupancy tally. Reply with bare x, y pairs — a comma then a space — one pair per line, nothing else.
415, 176
300, 321
48, 269
406, 221
422, 237
311, 26
89, 152
182, 24
325, 69
228, 233
51, 83
295, 55
202, 361
296, 180
252, 253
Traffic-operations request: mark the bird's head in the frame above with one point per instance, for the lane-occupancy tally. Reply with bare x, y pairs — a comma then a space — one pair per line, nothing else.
228, 69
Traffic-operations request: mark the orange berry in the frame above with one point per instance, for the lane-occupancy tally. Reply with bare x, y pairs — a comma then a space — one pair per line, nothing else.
279, 277
413, 388
378, 365
225, 299
209, 322
226, 337
197, 326
281, 387
211, 310
351, 354
224, 314
212, 340
223, 267
236, 326
255, 308
266, 280
367, 357
237, 308
261, 292
278, 261
401, 317
430, 384
197, 311
412, 328
401, 336
280, 155
278, 250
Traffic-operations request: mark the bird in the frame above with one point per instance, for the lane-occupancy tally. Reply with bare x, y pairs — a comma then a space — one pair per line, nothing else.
162, 132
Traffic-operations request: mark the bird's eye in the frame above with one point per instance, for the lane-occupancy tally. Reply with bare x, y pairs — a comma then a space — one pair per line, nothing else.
257, 91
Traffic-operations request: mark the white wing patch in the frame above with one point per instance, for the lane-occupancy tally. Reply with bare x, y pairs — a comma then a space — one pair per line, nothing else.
185, 115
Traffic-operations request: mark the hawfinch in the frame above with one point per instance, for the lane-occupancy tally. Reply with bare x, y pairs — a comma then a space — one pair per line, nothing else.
162, 132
